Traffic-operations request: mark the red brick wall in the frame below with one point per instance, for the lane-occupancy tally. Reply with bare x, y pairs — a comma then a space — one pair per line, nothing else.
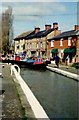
57, 44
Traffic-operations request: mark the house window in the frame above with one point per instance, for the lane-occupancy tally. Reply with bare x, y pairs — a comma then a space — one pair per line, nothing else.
52, 43
30, 45
23, 46
61, 42
41, 44
73, 43
17, 46
18, 42
69, 41
37, 45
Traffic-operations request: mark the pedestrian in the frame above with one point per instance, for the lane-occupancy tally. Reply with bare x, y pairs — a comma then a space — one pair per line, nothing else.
57, 60
67, 61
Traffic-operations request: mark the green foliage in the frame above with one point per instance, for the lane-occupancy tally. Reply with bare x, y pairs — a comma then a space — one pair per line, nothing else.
7, 33
76, 65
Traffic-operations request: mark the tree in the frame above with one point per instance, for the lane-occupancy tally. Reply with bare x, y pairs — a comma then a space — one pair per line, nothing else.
7, 29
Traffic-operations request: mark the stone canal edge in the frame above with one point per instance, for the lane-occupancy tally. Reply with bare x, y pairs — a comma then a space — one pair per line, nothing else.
64, 73
32, 107
28, 113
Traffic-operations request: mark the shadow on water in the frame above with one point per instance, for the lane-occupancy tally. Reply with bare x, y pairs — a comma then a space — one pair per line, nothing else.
32, 69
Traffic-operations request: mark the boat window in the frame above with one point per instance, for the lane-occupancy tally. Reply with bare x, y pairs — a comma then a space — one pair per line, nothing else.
38, 60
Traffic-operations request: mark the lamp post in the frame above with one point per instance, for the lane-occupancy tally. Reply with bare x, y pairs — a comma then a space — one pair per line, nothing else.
39, 47
77, 50
46, 48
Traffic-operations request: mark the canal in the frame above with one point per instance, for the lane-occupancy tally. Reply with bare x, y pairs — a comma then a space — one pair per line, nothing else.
57, 94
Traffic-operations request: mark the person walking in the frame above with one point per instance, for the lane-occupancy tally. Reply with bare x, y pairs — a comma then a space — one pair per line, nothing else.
67, 62
57, 60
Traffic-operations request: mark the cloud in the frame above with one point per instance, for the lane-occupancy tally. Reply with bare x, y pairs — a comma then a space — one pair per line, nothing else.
34, 11
30, 14
41, 9
38, 9
26, 18
39, 1
27, 10
29, 0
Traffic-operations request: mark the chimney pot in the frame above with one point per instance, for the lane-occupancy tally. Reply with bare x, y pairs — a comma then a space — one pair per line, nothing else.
37, 29
76, 27
55, 25
47, 27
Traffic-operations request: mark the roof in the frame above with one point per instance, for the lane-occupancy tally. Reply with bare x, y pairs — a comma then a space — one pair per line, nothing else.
40, 34
66, 34
32, 34
24, 35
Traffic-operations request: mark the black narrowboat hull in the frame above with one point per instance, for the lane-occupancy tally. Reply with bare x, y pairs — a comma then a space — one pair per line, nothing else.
25, 64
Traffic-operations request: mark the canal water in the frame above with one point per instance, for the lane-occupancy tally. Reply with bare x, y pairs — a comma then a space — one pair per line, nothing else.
57, 94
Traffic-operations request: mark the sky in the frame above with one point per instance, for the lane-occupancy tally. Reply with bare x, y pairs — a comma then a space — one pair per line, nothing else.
31, 13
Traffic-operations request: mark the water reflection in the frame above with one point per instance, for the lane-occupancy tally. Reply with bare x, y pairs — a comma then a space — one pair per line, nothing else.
57, 94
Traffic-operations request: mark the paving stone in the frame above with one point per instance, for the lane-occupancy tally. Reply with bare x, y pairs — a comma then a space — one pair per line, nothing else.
11, 107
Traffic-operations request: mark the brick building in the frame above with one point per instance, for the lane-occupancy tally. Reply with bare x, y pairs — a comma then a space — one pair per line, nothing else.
66, 44
36, 42
19, 42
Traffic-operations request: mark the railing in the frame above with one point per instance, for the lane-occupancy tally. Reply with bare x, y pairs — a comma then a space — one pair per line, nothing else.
13, 69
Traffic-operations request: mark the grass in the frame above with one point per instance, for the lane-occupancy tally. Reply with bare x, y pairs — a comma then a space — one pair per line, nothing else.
24, 117
22, 108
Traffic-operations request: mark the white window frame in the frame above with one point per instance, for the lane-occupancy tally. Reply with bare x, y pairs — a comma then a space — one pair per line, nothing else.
17, 46
69, 41
61, 52
37, 45
61, 42
30, 45
52, 43
41, 44
18, 41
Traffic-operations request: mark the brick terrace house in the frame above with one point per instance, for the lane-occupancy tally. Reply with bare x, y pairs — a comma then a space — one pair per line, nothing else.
66, 44
35, 43
38, 41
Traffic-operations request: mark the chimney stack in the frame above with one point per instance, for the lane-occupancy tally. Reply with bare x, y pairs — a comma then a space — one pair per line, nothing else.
55, 25
76, 27
47, 27
37, 29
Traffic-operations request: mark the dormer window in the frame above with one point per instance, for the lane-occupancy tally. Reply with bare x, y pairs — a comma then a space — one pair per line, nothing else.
52, 43
69, 41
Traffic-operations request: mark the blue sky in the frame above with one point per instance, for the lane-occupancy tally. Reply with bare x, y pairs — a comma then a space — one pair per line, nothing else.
28, 15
